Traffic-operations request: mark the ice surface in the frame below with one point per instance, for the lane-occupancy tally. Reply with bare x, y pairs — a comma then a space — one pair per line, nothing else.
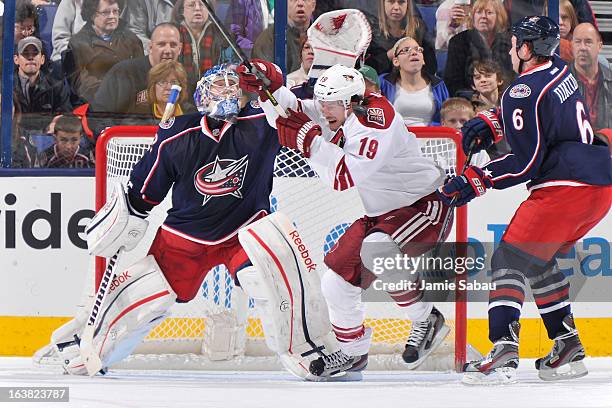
127, 388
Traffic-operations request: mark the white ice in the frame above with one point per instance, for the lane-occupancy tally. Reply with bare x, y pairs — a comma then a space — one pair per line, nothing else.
131, 389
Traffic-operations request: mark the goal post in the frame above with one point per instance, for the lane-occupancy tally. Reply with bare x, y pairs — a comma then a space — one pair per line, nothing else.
322, 216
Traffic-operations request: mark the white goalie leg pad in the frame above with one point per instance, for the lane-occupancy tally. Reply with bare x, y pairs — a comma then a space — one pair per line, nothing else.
138, 300
114, 227
286, 288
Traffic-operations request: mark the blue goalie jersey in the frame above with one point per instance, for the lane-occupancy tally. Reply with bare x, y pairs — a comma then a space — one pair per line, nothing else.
546, 124
221, 179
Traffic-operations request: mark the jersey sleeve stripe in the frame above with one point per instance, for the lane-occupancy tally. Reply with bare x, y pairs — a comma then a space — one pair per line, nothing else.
159, 150
539, 138
342, 179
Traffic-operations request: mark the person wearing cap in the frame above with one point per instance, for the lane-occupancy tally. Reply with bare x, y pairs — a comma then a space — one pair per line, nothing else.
39, 97
371, 78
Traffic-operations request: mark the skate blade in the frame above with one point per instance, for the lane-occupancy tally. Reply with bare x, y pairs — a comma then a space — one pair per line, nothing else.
348, 376
500, 376
569, 371
444, 331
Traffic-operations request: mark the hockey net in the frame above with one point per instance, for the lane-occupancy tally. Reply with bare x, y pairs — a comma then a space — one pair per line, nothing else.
188, 337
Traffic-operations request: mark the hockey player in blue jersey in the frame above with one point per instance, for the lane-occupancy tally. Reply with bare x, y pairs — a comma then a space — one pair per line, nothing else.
219, 164
569, 174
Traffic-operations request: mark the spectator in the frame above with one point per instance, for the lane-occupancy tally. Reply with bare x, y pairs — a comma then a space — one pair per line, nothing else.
397, 20
300, 75
594, 78
517, 9
67, 22
452, 17
124, 87
454, 113
488, 84
23, 152
144, 15
372, 82
202, 42
102, 42
414, 93
249, 19
161, 78
299, 17
487, 38
68, 150
39, 98
26, 20
567, 22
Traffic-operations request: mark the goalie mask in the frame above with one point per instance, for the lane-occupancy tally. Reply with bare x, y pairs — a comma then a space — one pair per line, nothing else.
218, 93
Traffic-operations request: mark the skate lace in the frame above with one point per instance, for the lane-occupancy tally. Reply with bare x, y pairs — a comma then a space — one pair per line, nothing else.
417, 333
335, 360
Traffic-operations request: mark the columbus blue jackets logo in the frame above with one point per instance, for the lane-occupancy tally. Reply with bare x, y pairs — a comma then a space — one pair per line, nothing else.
221, 177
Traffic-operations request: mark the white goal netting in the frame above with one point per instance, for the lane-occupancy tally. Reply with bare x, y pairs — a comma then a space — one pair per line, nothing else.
321, 214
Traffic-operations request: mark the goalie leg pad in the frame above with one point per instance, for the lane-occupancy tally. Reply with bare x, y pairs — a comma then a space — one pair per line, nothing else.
286, 288
138, 300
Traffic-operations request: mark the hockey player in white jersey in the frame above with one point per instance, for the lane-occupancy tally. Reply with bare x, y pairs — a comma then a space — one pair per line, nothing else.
373, 151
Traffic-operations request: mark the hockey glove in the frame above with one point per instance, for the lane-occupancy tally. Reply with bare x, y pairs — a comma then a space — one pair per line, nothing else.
481, 131
249, 82
297, 131
473, 183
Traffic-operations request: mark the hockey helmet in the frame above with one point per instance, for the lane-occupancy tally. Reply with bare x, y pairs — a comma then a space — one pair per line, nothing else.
542, 32
218, 93
339, 83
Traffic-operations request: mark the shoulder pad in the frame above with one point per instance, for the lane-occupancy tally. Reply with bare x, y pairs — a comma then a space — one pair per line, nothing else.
377, 112
178, 124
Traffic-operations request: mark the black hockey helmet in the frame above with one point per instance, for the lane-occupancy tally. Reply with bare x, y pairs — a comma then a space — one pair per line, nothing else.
542, 32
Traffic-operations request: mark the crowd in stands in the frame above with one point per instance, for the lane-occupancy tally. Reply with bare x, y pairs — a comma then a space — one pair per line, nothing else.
84, 65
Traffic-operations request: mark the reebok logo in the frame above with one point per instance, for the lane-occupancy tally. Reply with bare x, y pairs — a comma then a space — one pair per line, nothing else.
118, 280
297, 240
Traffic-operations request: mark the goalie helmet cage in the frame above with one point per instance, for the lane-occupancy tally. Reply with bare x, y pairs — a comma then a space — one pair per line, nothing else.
186, 339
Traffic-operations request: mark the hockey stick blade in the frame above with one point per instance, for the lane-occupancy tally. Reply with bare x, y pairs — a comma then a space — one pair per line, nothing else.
243, 58
90, 357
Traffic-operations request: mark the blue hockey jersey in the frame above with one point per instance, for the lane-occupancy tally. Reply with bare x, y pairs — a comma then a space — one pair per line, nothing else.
221, 179
547, 126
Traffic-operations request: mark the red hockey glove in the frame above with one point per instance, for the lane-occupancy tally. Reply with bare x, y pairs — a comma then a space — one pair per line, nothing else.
297, 131
249, 82
473, 183
483, 130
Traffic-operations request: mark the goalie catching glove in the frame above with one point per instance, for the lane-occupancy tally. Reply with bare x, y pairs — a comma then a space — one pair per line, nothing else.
462, 189
297, 131
249, 82
481, 131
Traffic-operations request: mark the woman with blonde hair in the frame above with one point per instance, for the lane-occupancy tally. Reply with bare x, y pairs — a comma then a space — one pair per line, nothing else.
568, 20
398, 19
487, 37
415, 94
161, 78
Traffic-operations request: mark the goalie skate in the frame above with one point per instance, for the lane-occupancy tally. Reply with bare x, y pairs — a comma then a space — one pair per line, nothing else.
425, 337
499, 366
564, 362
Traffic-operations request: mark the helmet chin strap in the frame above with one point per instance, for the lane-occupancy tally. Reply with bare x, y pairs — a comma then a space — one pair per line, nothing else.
523, 61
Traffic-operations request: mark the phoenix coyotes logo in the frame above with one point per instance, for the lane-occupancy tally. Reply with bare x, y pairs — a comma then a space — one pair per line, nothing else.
221, 177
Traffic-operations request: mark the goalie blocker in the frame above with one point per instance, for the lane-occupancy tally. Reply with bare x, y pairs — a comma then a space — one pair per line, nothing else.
287, 292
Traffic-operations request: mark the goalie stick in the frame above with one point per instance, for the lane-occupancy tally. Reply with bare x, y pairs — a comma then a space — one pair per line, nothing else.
244, 59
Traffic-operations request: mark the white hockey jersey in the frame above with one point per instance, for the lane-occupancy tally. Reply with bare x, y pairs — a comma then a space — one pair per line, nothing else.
375, 153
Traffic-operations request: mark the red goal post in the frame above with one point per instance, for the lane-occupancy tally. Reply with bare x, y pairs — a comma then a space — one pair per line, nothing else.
119, 148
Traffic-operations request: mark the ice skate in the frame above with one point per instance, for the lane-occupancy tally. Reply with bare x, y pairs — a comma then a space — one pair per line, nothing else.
340, 362
425, 337
499, 366
564, 361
